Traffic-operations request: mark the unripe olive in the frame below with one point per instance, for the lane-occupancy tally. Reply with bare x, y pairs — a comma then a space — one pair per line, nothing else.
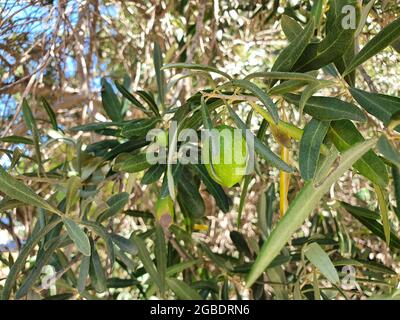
162, 138
228, 165
165, 211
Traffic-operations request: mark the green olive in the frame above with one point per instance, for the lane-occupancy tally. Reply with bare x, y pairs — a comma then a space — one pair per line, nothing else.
162, 138
228, 165
165, 211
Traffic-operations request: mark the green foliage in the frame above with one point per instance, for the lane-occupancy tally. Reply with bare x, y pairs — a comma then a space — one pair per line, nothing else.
310, 145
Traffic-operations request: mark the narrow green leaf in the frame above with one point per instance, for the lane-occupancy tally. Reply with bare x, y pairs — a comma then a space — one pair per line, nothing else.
317, 11
291, 28
77, 235
382, 201
50, 113
73, 186
343, 61
384, 107
111, 103
265, 211
243, 194
260, 94
130, 97
32, 126
384, 38
126, 245
16, 140
389, 151
205, 115
102, 232
96, 272
325, 165
318, 257
337, 40
115, 205
222, 200
182, 290
280, 75
364, 15
178, 268
83, 274
328, 108
288, 57
138, 128
344, 134
19, 191
42, 259
148, 98
158, 63
189, 198
310, 90
240, 243
17, 155
197, 67
369, 220
172, 176
310, 145
396, 186
153, 174
7, 204
288, 86
147, 262
301, 207
160, 252
135, 163
19, 264
128, 146
96, 126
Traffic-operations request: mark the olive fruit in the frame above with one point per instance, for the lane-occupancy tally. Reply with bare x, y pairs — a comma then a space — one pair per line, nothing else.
165, 211
162, 138
228, 161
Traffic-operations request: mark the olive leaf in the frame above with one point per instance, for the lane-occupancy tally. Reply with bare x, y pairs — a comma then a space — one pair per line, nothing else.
344, 134
336, 42
310, 145
73, 186
130, 97
301, 207
16, 140
328, 108
197, 67
182, 289
288, 57
318, 257
138, 128
291, 28
19, 191
32, 126
78, 236
382, 106
135, 163
382, 200
158, 63
383, 39
50, 113
19, 264
111, 103
369, 220
260, 94
389, 151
